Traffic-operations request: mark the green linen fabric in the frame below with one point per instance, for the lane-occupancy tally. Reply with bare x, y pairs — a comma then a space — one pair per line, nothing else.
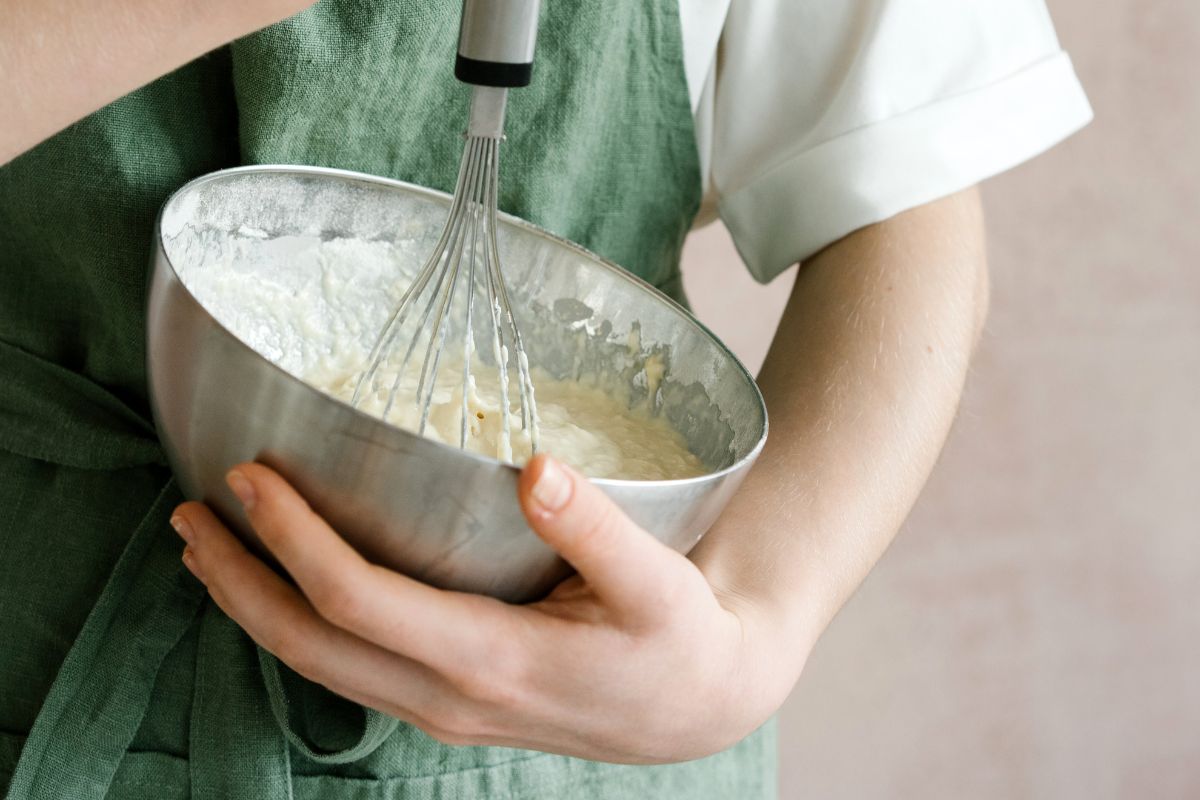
118, 678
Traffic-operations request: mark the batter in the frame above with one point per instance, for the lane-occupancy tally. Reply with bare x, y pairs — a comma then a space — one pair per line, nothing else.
318, 318
580, 424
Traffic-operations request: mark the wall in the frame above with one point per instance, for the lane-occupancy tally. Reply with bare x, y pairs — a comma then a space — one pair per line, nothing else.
1035, 630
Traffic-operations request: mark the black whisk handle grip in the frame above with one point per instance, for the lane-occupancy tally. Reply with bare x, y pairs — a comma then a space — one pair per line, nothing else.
496, 42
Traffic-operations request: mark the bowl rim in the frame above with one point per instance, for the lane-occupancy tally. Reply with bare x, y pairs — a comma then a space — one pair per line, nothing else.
444, 198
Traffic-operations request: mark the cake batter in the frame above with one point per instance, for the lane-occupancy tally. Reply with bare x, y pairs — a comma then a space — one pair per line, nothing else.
317, 319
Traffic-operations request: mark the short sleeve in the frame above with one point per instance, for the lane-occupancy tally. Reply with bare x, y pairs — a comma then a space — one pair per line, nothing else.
829, 116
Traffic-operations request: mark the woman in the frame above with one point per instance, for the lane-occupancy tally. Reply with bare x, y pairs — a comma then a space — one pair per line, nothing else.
649, 674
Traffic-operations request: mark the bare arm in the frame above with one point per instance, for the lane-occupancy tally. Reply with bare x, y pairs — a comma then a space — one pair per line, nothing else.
62, 59
862, 383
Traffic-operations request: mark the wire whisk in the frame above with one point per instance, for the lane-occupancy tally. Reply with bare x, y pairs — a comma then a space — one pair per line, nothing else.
442, 300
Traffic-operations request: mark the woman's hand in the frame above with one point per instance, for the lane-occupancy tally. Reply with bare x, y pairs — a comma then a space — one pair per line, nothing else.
645, 656
635, 659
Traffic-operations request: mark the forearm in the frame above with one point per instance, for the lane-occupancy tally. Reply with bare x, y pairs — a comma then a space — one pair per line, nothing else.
862, 383
62, 59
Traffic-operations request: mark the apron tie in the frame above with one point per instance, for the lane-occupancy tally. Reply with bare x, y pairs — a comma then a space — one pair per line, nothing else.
363, 738
241, 721
100, 695
235, 749
49, 413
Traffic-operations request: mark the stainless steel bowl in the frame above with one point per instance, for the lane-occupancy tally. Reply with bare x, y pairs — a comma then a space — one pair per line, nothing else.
434, 512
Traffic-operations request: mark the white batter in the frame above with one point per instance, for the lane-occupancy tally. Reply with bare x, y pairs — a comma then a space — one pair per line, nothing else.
580, 424
318, 317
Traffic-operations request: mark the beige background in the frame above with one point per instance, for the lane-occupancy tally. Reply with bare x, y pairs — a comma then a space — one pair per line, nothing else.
1035, 630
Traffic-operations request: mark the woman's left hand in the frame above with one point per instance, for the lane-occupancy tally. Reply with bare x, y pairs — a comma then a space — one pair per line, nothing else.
635, 659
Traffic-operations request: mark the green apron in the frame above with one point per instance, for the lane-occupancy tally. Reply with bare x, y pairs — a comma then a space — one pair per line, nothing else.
118, 678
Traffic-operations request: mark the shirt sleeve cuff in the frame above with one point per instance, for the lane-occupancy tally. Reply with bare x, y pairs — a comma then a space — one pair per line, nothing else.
872, 173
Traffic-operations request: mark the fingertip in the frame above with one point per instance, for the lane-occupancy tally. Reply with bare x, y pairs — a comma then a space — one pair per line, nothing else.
587, 529
182, 525
255, 471
193, 566
548, 489
206, 528
190, 517
530, 472
187, 508
529, 475
209, 543
242, 487
269, 488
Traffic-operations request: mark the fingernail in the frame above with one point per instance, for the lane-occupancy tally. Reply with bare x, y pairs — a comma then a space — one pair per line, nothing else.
242, 487
189, 561
182, 527
552, 489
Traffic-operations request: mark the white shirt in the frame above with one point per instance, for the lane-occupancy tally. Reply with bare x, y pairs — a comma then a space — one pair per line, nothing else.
815, 118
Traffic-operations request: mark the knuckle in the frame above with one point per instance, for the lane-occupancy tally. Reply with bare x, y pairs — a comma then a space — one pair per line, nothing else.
279, 510
280, 640
268, 521
672, 590
289, 645
263, 476
286, 521
472, 679
453, 727
338, 603
447, 738
667, 603
492, 689
499, 680
596, 530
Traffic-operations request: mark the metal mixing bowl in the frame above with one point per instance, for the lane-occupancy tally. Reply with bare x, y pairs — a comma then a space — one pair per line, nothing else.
429, 510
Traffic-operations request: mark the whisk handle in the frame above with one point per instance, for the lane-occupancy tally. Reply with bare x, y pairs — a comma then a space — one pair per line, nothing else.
496, 40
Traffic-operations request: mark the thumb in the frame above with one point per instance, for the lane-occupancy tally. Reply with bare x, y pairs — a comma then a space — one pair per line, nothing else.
623, 563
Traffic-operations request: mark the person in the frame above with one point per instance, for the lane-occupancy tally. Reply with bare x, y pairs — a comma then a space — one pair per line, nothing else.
847, 137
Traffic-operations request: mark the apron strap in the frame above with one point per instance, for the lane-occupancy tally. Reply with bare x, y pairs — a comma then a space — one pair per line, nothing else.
241, 721
376, 726
237, 748
100, 695
50, 413
235, 751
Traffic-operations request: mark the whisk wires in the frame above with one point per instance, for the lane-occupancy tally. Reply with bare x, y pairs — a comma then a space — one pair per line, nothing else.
465, 255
